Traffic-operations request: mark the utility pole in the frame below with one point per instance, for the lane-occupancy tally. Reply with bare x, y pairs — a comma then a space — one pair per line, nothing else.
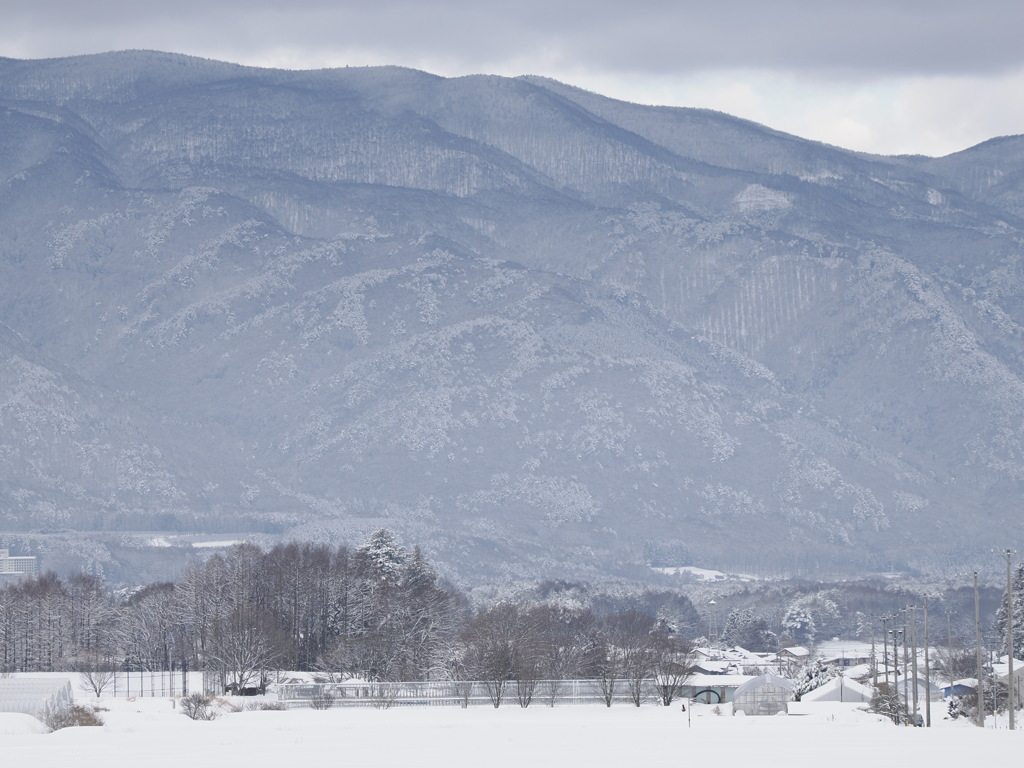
927, 672
977, 655
949, 650
874, 659
1011, 702
913, 659
906, 698
896, 631
885, 654
713, 625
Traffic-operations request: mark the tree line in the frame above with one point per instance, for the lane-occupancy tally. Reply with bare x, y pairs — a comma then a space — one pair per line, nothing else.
377, 612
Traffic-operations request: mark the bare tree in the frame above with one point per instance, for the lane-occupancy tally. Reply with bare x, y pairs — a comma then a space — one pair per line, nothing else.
500, 648
454, 668
92, 616
956, 663
610, 672
630, 653
299, 596
527, 674
96, 674
247, 648
322, 698
384, 694
568, 643
41, 620
332, 665
567, 646
673, 665
201, 605
147, 629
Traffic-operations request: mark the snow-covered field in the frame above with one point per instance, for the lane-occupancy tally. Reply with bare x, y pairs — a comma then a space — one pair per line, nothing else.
152, 732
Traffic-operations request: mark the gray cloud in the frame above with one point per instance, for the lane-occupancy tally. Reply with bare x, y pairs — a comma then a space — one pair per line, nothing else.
869, 38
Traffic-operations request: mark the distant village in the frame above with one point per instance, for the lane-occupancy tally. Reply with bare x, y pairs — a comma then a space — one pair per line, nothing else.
308, 626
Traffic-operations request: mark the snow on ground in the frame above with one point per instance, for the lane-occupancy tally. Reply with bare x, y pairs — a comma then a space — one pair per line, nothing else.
154, 733
17, 724
214, 544
703, 574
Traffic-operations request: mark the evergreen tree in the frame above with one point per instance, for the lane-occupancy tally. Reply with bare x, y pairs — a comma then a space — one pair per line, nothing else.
748, 631
799, 623
1017, 599
812, 675
382, 556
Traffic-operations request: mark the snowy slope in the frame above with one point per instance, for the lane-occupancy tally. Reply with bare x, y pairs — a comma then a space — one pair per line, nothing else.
538, 331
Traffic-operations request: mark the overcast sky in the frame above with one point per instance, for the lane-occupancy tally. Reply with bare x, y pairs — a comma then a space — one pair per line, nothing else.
887, 76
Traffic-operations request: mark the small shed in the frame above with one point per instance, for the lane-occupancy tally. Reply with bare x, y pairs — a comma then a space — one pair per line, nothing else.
36, 696
963, 687
767, 694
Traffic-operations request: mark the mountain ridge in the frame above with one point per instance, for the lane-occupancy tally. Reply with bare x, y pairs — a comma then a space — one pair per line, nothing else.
538, 331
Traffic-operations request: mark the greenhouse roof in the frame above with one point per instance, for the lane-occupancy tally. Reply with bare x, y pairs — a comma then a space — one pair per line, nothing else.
32, 694
766, 679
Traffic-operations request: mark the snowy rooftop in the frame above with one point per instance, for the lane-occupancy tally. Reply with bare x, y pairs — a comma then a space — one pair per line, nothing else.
797, 651
717, 681
840, 688
766, 679
734, 654
845, 649
1001, 669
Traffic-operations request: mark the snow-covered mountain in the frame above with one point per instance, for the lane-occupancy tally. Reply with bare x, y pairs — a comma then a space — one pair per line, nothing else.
538, 331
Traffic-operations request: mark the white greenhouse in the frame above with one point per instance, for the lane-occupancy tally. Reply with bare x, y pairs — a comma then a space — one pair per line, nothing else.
765, 695
841, 689
36, 696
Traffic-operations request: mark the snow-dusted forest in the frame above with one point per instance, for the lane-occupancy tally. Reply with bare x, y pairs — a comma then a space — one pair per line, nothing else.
379, 612
541, 332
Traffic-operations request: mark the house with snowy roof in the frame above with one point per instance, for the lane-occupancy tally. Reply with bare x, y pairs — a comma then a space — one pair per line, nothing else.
1001, 669
844, 653
795, 653
788, 660
726, 661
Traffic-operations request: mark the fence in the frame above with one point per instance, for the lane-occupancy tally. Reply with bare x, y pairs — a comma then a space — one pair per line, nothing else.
435, 693
455, 693
140, 684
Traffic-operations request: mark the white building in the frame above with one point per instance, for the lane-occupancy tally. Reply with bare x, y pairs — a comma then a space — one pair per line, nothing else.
14, 568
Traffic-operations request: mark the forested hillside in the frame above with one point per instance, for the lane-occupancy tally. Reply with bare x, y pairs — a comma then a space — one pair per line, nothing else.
542, 332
